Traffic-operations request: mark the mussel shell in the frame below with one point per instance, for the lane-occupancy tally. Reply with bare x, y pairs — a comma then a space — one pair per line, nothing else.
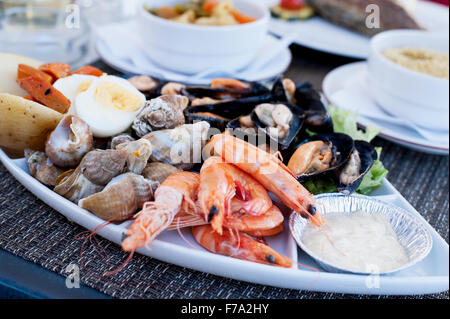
317, 119
342, 146
228, 110
368, 155
278, 91
295, 126
254, 89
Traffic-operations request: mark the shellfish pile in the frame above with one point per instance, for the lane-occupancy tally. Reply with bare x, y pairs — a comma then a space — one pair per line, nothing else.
142, 168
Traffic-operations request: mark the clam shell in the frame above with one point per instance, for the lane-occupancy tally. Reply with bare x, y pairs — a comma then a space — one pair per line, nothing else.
120, 199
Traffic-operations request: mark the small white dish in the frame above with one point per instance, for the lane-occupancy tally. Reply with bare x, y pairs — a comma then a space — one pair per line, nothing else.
125, 64
318, 34
404, 93
411, 233
192, 48
347, 87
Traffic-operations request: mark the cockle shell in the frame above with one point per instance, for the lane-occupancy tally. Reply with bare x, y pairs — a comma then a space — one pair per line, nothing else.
138, 154
41, 168
121, 198
159, 172
180, 147
96, 170
69, 142
164, 112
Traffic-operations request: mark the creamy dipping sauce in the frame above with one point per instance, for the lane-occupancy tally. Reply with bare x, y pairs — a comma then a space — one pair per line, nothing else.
360, 242
425, 61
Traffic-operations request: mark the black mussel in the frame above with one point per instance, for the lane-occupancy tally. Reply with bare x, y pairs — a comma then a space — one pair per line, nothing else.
283, 90
317, 118
147, 85
272, 125
219, 114
349, 176
224, 90
321, 154
281, 122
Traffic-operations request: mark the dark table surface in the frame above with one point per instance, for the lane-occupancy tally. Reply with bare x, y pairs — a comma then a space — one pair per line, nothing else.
37, 244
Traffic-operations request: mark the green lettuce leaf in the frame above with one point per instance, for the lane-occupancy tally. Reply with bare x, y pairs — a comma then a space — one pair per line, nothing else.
374, 178
344, 121
320, 185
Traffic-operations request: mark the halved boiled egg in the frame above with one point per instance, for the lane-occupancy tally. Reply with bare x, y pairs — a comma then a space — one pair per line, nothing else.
72, 85
109, 105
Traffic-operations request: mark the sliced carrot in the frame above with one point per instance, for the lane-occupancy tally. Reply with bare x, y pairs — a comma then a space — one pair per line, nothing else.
56, 70
45, 93
209, 5
24, 71
89, 70
167, 12
242, 18
28, 97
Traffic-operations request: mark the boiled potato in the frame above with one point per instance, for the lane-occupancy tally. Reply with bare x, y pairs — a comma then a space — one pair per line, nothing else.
8, 72
24, 123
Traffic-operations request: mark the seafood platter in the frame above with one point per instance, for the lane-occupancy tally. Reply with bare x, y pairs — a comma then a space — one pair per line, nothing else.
220, 178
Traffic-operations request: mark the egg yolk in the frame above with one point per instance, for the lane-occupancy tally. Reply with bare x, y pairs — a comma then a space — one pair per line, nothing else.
115, 96
83, 87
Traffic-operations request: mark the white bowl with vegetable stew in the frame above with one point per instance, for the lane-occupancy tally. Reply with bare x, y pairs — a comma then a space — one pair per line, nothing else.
192, 48
410, 233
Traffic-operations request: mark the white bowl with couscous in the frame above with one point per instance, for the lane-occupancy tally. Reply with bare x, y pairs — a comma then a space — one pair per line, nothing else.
408, 76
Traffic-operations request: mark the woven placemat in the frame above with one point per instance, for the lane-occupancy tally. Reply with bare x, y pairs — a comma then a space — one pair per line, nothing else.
32, 230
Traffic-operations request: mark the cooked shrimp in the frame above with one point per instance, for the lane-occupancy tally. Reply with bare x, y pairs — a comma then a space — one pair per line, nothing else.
269, 224
269, 171
215, 192
272, 219
177, 193
239, 246
251, 196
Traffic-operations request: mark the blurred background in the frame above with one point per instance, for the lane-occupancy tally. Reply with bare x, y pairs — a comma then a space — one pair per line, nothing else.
64, 30
58, 30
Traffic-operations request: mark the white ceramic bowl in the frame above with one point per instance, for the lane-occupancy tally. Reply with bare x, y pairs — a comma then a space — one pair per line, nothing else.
193, 48
404, 93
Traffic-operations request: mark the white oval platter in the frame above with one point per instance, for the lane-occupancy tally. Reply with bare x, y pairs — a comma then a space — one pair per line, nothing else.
429, 276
